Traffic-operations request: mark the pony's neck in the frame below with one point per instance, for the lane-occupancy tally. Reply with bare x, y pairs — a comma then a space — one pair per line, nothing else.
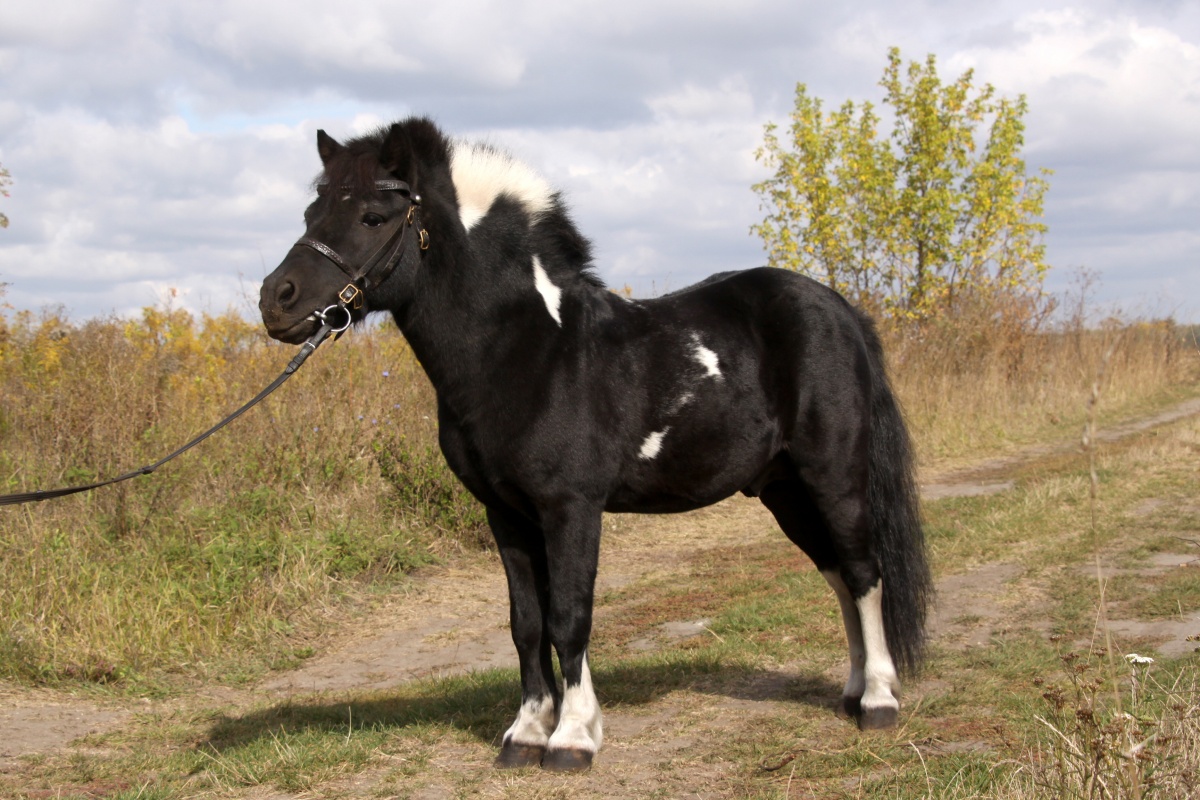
506, 272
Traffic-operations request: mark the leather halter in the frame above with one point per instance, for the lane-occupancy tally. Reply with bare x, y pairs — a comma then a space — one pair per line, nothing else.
362, 278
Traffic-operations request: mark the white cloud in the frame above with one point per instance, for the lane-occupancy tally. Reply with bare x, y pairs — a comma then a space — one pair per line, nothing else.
171, 144
60, 23
1115, 110
1102, 83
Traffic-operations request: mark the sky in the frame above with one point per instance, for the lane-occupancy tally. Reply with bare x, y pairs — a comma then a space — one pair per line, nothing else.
162, 152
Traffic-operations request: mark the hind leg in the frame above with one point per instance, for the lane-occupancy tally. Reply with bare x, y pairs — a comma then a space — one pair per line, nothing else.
833, 532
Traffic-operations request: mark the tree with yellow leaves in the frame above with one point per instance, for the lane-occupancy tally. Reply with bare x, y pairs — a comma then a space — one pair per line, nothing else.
938, 214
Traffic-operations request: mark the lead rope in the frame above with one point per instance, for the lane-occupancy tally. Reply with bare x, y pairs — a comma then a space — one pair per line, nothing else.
306, 349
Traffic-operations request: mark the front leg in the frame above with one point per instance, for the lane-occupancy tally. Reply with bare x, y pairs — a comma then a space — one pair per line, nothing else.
572, 532
523, 551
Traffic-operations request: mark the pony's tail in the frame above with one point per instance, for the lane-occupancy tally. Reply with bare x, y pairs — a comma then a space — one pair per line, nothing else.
896, 519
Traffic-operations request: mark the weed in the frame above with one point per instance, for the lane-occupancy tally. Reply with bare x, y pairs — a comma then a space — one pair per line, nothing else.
427, 491
1113, 735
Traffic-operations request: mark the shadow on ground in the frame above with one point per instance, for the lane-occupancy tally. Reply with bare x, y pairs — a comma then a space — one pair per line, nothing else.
484, 703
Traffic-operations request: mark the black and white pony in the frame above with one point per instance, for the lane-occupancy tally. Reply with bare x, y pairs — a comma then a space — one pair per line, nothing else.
559, 400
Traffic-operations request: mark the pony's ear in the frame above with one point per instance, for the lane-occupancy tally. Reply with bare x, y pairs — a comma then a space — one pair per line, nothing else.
396, 155
327, 147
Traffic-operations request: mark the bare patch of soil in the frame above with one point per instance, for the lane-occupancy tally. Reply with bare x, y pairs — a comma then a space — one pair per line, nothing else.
452, 621
33, 728
1167, 636
971, 605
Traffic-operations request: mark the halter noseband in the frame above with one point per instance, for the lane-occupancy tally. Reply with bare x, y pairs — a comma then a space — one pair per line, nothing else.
362, 279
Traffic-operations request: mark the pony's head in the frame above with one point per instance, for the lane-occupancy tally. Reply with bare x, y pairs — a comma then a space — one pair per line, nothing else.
363, 236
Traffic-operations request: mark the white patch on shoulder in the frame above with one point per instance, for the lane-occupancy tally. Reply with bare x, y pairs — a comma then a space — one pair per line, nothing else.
707, 358
652, 444
482, 173
551, 294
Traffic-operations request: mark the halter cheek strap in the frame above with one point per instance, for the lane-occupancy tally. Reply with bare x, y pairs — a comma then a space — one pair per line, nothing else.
366, 276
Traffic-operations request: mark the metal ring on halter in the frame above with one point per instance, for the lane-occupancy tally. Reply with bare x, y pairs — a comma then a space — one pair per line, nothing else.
321, 315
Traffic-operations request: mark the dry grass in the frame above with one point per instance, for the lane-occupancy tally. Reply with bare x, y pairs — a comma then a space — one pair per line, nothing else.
986, 387
232, 554
230, 559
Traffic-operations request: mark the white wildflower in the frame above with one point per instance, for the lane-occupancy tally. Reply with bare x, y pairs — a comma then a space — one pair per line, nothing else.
1134, 658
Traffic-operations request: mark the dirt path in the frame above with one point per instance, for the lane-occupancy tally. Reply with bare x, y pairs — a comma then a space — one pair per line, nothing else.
454, 618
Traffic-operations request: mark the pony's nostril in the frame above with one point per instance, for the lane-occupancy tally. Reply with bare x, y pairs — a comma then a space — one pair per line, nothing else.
286, 294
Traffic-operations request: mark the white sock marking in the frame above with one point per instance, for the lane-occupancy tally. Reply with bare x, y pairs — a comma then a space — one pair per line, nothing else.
482, 173
883, 687
534, 724
580, 725
856, 684
707, 358
652, 444
551, 294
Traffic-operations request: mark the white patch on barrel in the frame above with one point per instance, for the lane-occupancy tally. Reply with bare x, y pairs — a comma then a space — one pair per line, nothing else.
551, 294
580, 724
535, 722
707, 358
679, 402
482, 173
652, 444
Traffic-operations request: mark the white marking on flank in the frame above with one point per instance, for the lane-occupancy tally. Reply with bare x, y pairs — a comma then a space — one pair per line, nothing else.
550, 293
580, 725
535, 722
707, 358
482, 173
652, 444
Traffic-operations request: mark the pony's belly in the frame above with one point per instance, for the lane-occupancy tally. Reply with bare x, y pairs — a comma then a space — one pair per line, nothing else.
634, 503
684, 484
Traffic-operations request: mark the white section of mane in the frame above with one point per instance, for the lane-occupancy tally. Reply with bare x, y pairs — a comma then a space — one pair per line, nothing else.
482, 173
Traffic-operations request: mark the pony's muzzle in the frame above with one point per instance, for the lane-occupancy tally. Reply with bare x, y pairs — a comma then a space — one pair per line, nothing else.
277, 295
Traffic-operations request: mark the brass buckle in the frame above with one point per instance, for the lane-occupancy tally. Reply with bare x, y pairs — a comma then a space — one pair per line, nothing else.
351, 296
424, 234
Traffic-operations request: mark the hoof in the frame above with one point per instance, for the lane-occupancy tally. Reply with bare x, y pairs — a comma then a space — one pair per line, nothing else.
567, 760
851, 707
514, 756
874, 719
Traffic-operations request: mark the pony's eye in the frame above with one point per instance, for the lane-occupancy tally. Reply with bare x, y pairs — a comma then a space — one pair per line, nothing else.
372, 220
